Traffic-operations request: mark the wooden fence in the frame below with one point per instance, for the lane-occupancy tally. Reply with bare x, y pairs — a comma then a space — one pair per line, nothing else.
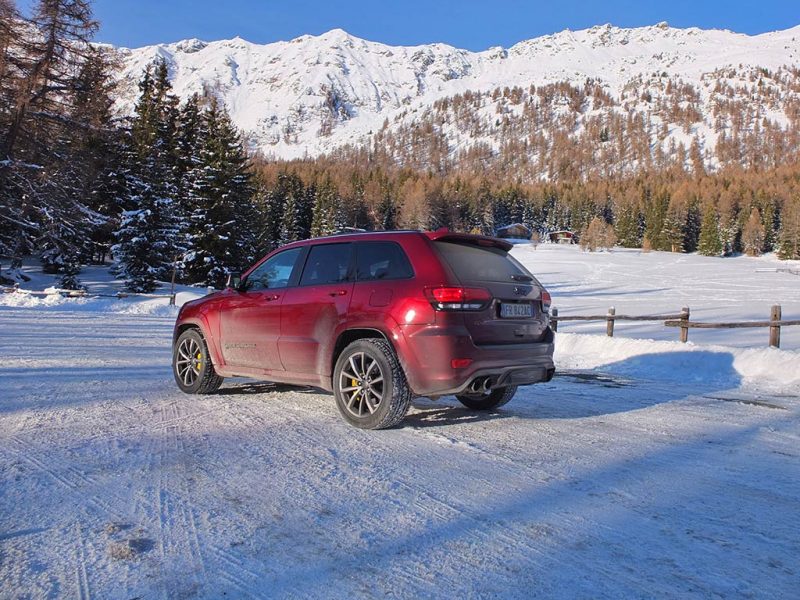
683, 322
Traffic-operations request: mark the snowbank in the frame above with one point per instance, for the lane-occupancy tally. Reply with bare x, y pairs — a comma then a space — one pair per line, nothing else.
23, 300
674, 361
128, 306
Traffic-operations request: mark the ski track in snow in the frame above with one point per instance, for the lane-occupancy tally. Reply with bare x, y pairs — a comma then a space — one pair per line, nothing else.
602, 483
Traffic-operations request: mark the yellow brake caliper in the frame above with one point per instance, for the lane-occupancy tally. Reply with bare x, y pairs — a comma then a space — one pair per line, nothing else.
199, 361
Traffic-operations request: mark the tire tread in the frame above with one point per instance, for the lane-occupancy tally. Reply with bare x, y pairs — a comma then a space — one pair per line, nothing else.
400, 400
210, 382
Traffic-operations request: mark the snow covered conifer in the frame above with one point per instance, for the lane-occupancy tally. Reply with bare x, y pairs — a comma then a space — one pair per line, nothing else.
221, 199
710, 243
150, 235
290, 221
327, 213
789, 240
627, 227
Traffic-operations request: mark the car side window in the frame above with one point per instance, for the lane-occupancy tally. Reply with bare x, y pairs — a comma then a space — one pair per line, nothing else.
327, 263
273, 273
380, 261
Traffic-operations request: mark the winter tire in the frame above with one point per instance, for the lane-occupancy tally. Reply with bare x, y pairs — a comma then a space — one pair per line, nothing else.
191, 365
493, 399
369, 385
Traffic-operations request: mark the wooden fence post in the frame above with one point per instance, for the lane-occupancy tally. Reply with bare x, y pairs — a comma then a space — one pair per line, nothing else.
775, 330
685, 319
610, 322
554, 319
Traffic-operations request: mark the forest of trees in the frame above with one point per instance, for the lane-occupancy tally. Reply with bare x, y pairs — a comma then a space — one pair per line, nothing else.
173, 186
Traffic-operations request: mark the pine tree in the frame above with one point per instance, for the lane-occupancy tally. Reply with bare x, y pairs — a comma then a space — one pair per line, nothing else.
674, 226
187, 149
221, 235
627, 228
691, 237
710, 243
267, 225
387, 211
290, 222
152, 228
327, 213
655, 221
768, 221
143, 248
789, 241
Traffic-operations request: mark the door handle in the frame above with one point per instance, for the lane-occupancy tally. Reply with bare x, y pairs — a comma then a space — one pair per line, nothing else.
271, 297
338, 293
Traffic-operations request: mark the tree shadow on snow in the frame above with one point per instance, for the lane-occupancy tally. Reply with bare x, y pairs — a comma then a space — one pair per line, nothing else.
632, 384
635, 383
585, 292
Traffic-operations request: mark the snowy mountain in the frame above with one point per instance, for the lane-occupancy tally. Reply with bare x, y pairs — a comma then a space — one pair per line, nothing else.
311, 95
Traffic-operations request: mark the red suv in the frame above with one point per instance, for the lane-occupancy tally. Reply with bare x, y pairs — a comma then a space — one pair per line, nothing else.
377, 318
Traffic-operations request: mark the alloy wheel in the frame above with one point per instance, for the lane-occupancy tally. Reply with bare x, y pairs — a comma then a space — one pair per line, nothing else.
361, 382
189, 362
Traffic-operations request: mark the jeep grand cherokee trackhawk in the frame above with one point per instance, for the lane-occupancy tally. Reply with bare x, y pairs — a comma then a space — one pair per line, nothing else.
377, 318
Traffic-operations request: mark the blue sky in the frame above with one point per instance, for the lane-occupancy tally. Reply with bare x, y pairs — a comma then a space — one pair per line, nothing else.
462, 23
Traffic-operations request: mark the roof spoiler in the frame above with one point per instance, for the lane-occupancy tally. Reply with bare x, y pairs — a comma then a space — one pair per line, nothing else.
443, 235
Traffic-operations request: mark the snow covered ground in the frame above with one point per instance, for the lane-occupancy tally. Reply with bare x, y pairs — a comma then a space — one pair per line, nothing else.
645, 469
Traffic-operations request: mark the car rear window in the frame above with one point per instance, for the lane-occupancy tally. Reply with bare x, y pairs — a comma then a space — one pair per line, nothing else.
481, 263
381, 261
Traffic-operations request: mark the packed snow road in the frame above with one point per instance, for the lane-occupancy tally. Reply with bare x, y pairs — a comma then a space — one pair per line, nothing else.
604, 483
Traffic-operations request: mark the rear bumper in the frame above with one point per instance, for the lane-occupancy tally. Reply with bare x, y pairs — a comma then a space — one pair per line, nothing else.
426, 353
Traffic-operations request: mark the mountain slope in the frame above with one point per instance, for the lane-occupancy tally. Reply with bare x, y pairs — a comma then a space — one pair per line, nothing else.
311, 95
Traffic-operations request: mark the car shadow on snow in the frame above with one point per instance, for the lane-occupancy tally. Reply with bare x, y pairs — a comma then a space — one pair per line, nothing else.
262, 387
427, 413
635, 383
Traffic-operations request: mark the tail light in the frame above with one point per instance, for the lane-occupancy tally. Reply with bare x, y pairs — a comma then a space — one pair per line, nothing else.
546, 300
458, 298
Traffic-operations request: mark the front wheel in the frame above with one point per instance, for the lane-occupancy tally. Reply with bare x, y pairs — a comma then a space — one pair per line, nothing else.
369, 385
191, 364
493, 399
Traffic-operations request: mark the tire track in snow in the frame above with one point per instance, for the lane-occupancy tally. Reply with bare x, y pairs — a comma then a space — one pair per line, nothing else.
81, 574
206, 560
172, 522
72, 481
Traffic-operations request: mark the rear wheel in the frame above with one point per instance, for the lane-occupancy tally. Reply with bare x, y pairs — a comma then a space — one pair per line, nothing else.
369, 385
191, 364
493, 399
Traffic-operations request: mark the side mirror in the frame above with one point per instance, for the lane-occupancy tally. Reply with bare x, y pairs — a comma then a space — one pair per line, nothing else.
234, 281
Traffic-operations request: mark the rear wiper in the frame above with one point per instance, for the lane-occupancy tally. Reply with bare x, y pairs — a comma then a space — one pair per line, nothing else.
522, 278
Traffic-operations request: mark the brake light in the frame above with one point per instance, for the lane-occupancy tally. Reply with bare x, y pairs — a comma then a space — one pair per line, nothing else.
546, 300
458, 298
460, 363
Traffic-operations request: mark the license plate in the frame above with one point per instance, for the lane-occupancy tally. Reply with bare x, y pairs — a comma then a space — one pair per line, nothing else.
516, 311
